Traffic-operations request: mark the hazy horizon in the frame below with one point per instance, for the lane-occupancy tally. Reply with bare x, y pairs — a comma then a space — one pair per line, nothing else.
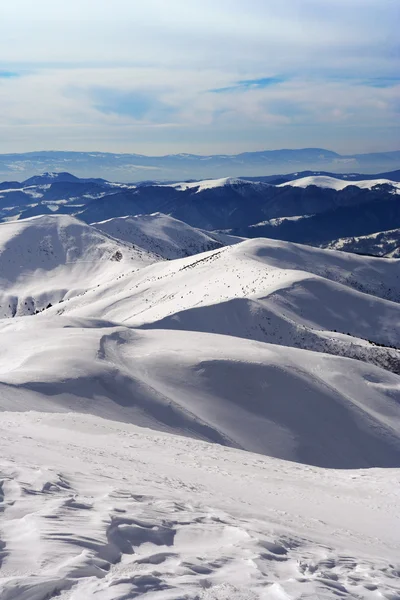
259, 150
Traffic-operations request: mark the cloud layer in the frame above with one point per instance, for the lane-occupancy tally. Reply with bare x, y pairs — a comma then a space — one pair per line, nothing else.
202, 76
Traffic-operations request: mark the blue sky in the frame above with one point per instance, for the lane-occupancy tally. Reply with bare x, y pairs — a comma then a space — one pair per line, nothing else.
199, 76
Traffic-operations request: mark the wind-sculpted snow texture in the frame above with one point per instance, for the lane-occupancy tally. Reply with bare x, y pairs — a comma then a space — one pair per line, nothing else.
99, 509
189, 415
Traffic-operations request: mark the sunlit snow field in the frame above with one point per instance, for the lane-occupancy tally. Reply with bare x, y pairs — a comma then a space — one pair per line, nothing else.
189, 415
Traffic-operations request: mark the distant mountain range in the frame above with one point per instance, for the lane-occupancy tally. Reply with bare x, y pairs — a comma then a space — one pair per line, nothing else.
137, 167
310, 208
383, 243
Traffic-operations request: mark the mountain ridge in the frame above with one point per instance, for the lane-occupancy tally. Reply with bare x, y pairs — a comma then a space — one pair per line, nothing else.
315, 209
135, 167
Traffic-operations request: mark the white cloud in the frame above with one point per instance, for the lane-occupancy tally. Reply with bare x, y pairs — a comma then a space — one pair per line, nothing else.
171, 54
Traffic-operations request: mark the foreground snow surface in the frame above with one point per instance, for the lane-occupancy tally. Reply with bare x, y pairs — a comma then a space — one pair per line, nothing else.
105, 510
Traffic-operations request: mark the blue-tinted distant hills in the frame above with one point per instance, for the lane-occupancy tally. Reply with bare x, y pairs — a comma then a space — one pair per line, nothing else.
311, 207
138, 167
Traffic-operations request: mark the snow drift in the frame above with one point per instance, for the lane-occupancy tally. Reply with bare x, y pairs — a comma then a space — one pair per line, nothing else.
287, 403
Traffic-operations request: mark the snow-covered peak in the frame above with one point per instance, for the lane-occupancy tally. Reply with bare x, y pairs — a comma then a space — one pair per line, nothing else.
48, 258
323, 181
209, 184
160, 234
51, 177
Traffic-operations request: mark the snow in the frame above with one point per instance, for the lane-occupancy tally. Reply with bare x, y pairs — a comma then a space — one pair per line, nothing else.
321, 181
35, 192
278, 221
101, 509
270, 291
244, 394
159, 234
224, 426
208, 184
382, 243
49, 258
339, 184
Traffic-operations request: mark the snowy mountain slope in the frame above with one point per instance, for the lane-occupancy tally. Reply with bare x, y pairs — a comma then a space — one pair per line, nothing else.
204, 204
59, 177
52, 192
96, 509
41, 188
340, 184
374, 216
227, 203
295, 317
224, 238
269, 291
121, 203
383, 243
277, 401
237, 205
15, 198
230, 203
159, 234
211, 184
284, 178
251, 268
50, 258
